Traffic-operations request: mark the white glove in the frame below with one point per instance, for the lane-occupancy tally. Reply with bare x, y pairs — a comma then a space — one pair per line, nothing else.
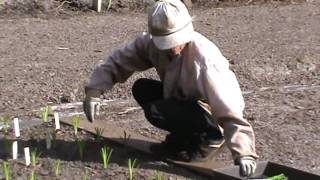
91, 103
91, 107
248, 166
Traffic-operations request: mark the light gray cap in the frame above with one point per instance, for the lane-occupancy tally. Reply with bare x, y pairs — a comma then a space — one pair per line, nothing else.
170, 24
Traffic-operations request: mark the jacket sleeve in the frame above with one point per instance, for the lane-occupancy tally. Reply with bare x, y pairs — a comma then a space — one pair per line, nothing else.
121, 64
221, 89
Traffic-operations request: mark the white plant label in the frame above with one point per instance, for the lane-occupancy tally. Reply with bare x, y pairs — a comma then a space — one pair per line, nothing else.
57, 120
16, 127
48, 141
27, 155
15, 150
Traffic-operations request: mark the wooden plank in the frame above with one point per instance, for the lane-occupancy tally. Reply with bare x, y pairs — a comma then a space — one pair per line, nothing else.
141, 143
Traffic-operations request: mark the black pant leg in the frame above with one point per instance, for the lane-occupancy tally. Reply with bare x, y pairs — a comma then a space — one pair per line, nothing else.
147, 90
180, 117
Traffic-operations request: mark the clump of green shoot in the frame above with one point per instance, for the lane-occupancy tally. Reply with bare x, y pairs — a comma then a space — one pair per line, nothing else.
33, 175
7, 144
81, 147
99, 133
86, 174
57, 167
278, 177
159, 176
109, 4
131, 166
34, 157
6, 170
6, 124
75, 123
45, 114
106, 154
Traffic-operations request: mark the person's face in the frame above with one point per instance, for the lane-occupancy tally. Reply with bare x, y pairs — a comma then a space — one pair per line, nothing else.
176, 51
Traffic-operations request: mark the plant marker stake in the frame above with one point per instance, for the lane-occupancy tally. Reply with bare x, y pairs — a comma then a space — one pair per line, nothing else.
56, 120
27, 155
15, 150
16, 127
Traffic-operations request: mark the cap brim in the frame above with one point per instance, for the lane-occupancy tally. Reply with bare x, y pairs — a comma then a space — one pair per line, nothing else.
175, 39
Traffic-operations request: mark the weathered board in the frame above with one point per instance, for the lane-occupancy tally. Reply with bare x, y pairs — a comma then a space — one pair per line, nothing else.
142, 144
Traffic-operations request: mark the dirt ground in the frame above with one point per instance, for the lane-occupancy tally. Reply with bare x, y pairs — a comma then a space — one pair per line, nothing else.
273, 48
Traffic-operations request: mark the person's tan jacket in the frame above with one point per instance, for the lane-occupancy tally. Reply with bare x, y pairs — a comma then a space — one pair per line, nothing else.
201, 72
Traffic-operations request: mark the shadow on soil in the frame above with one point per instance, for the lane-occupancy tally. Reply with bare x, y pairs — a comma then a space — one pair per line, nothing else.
69, 151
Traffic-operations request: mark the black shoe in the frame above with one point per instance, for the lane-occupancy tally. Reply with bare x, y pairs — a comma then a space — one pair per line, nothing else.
174, 147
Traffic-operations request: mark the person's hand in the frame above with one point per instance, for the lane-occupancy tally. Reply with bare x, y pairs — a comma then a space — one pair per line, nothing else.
91, 104
247, 166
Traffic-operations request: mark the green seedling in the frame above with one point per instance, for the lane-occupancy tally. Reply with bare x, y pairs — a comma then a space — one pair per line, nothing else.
45, 114
86, 174
33, 175
126, 137
99, 133
81, 147
7, 144
6, 170
131, 166
57, 167
109, 4
75, 123
6, 124
106, 154
278, 177
34, 157
159, 176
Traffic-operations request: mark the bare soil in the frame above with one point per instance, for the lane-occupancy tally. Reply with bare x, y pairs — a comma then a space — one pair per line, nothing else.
273, 48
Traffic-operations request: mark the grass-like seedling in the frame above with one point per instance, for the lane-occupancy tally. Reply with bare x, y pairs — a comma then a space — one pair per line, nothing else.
75, 123
109, 4
45, 114
34, 157
131, 166
33, 175
6, 170
99, 133
6, 124
57, 167
7, 144
278, 177
86, 174
159, 176
81, 147
106, 154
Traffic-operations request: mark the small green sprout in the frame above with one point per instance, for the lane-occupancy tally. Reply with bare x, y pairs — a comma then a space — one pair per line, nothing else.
57, 167
106, 154
81, 147
131, 166
6, 170
6, 124
126, 137
34, 157
86, 174
278, 177
33, 175
109, 4
99, 133
7, 144
45, 114
159, 176
75, 123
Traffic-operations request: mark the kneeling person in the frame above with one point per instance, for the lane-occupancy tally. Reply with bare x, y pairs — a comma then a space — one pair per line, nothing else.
196, 95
